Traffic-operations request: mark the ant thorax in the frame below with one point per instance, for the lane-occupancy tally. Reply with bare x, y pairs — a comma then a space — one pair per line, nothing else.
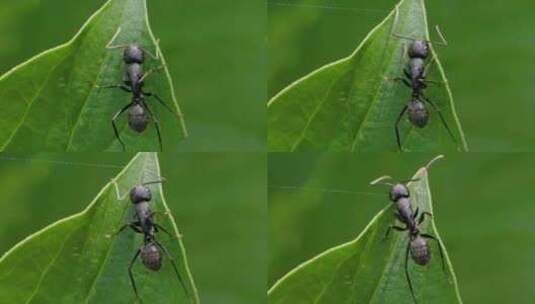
403, 205
416, 69
142, 210
133, 74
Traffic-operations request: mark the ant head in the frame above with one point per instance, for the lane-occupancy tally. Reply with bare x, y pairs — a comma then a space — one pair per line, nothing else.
133, 54
140, 193
138, 118
398, 191
150, 255
419, 49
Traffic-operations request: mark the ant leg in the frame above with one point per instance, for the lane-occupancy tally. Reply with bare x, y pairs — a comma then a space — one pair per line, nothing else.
441, 43
441, 117
407, 274
440, 249
157, 56
403, 80
134, 225
131, 275
399, 217
156, 125
145, 75
148, 94
160, 181
395, 228
415, 215
422, 217
159, 227
174, 266
403, 53
114, 86
410, 180
109, 46
397, 127
117, 191
406, 73
115, 126
153, 213
444, 42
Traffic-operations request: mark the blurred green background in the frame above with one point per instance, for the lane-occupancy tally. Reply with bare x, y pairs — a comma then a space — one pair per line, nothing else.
218, 201
215, 53
487, 63
483, 208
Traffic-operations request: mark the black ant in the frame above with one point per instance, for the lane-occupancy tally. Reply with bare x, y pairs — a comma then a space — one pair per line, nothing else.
151, 250
415, 74
417, 246
139, 112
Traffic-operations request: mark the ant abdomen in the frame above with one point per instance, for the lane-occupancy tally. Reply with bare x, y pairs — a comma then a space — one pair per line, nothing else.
138, 118
418, 114
150, 255
133, 54
420, 252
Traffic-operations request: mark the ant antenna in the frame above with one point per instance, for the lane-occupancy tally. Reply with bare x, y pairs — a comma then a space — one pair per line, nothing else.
380, 181
433, 161
110, 46
160, 181
437, 28
410, 181
117, 190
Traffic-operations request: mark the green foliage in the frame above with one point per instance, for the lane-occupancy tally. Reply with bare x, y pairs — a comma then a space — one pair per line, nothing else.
53, 102
350, 106
78, 259
371, 269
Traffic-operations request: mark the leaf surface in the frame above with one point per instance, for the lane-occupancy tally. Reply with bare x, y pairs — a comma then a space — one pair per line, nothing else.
371, 269
79, 259
53, 101
353, 104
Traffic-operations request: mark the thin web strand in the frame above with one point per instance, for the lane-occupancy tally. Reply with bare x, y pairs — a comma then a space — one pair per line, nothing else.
325, 190
60, 162
329, 7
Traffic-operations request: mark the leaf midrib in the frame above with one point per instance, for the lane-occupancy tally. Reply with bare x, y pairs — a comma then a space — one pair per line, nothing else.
98, 77
34, 98
313, 116
45, 272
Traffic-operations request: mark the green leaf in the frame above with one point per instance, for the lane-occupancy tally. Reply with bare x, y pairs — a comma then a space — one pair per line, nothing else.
79, 259
371, 269
53, 103
351, 105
